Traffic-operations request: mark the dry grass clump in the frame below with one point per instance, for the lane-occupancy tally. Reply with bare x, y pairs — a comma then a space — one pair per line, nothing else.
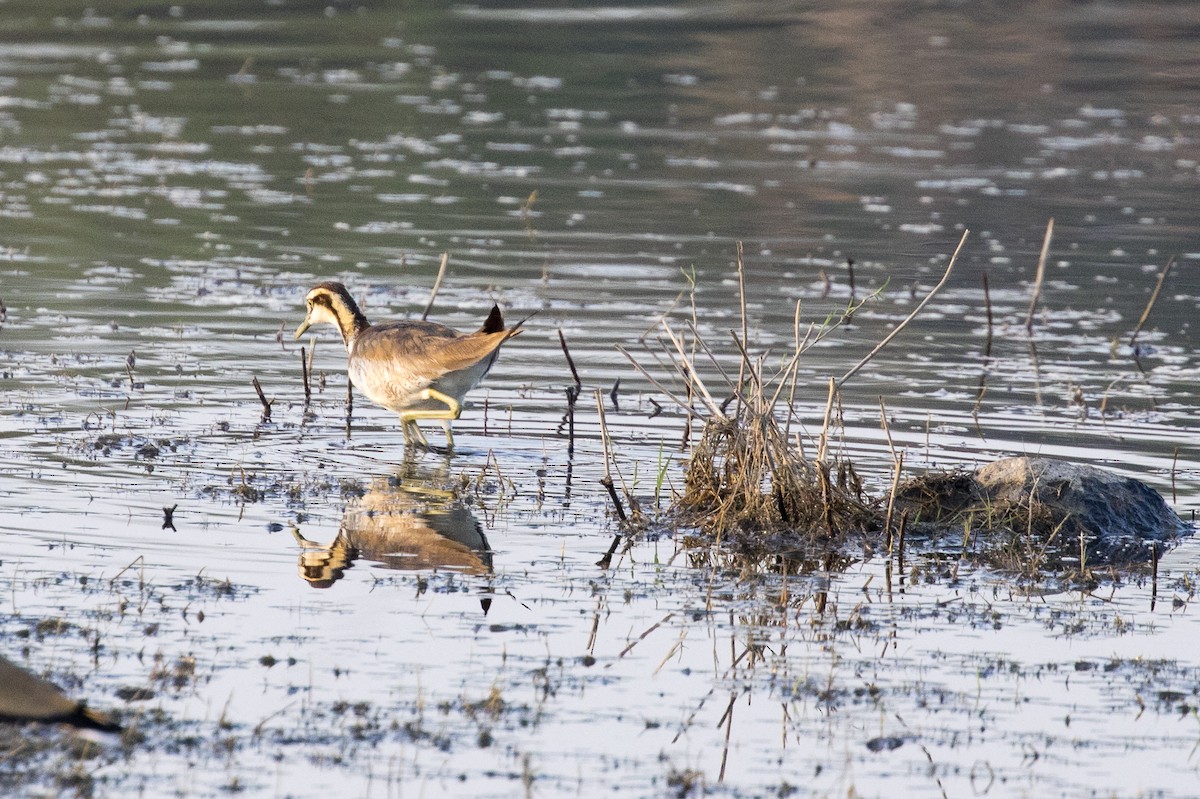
749, 481
746, 478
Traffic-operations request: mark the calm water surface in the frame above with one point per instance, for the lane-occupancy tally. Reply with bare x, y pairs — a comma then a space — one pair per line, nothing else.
173, 178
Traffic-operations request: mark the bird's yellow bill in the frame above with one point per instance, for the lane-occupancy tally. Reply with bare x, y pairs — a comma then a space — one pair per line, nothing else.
300, 331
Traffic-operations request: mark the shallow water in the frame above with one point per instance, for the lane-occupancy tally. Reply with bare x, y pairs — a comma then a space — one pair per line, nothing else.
174, 178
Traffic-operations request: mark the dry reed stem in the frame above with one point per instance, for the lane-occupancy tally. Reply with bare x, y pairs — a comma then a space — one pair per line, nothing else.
987, 355
891, 505
1174, 464
304, 375
823, 442
1153, 299
266, 404
1041, 275
687, 406
437, 284
887, 431
742, 306
896, 330
687, 370
699, 342
312, 353
607, 480
562, 340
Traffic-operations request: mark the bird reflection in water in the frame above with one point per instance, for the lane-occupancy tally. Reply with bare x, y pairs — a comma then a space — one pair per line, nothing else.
401, 522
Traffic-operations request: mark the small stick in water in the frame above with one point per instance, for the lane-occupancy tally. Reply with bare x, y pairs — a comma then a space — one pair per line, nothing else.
1041, 275
437, 283
304, 374
266, 414
572, 395
562, 340
1153, 576
607, 480
612, 395
606, 561
1150, 305
573, 392
169, 517
349, 405
1174, 463
312, 352
850, 276
896, 330
987, 350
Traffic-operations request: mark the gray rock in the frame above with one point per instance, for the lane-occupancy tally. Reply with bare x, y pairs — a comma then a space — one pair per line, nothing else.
1121, 519
1042, 514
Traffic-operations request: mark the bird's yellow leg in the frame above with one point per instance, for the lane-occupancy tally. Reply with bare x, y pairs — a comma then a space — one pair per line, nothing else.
452, 411
412, 433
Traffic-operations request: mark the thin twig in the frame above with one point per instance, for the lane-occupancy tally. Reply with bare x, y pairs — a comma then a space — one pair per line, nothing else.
742, 303
824, 441
987, 352
698, 340
629, 647
572, 395
896, 330
1041, 275
266, 414
140, 560
570, 361
607, 480
887, 524
312, 353
690, 375
1174, 463
687, 406
887, 432
437, 283
1153, 299
304, 375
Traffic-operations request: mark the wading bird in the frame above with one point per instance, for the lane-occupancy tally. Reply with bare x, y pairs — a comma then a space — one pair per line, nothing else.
417, 369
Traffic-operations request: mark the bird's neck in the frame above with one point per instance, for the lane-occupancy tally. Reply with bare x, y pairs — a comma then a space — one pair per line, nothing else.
350, 321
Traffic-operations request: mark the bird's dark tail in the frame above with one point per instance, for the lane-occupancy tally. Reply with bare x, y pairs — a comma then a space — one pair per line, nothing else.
495, 321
